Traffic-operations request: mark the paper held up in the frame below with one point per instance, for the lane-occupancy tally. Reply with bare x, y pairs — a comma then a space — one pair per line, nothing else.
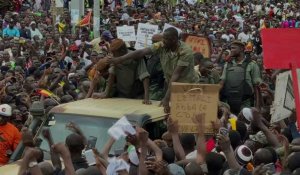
121, 128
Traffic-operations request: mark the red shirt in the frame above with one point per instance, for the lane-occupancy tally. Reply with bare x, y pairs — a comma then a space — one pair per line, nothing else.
9, 140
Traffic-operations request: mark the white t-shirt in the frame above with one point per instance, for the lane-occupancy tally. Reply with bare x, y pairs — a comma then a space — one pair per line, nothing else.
191, 155
244, 37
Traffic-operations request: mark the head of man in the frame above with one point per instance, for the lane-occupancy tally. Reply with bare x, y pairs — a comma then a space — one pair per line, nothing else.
293, 161
237, 48
118, 48
6, 56
11, 24
170, 38
262, 155
5, 114
206, 67
75, 143
33, 25
188, 142
193, 169
11, 90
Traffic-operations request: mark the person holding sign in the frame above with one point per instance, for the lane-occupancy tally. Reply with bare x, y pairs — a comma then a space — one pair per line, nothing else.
176, 59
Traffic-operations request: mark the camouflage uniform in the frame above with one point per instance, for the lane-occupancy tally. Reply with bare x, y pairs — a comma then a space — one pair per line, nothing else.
170, 60
157, 81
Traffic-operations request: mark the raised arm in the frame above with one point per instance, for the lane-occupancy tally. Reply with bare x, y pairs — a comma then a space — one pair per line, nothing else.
271, 137
224, 143
137, 54
155, 149
105, 150
178, 149
176, 75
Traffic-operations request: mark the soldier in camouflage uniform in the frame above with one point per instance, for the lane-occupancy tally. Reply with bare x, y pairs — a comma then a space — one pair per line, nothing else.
176, 59
239, 78
157, 81
205, 70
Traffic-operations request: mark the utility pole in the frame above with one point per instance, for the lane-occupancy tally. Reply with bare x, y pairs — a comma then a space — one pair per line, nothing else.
96, 18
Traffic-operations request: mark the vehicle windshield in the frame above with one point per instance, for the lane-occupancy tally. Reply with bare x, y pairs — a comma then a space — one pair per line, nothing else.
91, 126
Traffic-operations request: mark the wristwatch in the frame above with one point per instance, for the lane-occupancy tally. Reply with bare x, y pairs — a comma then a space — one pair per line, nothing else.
32, 164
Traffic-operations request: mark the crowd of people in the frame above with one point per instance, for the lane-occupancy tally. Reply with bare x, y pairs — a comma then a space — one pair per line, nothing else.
60, 62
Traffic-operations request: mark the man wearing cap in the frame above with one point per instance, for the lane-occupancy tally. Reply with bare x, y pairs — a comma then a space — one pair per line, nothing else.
9, 134
239, 78
11, 31
176, 58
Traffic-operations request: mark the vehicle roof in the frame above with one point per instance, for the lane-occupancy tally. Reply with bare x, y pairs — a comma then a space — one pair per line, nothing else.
110, 108
10, 169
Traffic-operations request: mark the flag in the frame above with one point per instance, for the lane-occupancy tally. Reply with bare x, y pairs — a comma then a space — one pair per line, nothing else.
45, 93
86, 20
263, 26
61, 27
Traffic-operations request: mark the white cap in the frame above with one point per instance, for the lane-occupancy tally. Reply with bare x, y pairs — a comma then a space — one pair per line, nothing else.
247, 113
32, 22
5, 110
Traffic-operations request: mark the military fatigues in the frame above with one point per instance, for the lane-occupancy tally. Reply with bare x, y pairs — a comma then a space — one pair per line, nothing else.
129, 77
157, 81
239, 80
170, 60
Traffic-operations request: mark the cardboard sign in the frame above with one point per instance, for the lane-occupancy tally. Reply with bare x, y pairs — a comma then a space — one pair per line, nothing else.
126, 33
282, 50
284, 98
144, 35
198, 43
188, 100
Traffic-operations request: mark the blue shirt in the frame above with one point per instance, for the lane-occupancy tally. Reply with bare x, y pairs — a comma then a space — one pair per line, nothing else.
14, 32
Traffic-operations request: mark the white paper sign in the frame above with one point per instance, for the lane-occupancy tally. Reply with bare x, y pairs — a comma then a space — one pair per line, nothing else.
284, 100
96, 22
144, 35
59, 3
121, 128
166, 26
74, 16
126, 33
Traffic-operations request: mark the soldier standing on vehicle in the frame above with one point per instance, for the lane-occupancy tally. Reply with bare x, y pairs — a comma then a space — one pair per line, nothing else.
176, 58
239, 78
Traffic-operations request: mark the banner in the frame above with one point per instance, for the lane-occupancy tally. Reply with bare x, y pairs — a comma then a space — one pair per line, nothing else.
188, 100
144, 35
198, 43
75, 16
126, 33
284, 100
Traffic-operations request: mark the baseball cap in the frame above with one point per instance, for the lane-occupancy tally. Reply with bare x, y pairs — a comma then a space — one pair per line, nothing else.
5, 110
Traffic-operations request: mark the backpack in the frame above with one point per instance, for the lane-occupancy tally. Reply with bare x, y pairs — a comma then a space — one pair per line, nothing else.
236, 89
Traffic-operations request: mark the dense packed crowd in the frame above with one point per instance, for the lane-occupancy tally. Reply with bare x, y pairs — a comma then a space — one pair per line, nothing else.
59, 62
